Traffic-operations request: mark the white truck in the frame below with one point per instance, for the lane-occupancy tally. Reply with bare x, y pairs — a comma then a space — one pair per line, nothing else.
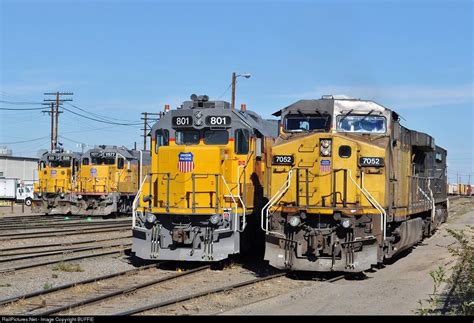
12, 189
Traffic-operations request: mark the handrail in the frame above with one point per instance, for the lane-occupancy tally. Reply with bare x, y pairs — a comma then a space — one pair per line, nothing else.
135, 201
235, 202
372, 201
244, 210
272, 202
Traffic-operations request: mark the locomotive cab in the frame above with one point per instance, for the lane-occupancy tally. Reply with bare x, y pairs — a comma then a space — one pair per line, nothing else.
57, 175
108, 181
340, 188
206, 182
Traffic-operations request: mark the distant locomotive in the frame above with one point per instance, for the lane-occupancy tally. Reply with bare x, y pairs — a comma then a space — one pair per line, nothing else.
108, 180
57, 173
206, 185
350, 187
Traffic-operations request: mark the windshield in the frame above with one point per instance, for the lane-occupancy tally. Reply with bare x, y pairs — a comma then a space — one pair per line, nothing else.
102, 161
361, 124
187, 137
307, 123
216, 137
63, 163
211, 137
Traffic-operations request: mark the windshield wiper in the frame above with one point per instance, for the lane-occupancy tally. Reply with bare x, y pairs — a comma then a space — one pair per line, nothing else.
367, 115
345, 115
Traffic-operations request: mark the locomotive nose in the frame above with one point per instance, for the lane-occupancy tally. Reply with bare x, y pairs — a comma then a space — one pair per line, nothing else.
190, 178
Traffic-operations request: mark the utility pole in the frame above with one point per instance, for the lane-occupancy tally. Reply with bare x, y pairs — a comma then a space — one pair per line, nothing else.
234, 82
51, 113
55, 115
146, 126
234, 78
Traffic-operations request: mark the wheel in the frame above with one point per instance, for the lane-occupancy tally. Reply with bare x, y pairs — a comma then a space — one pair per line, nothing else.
28, 201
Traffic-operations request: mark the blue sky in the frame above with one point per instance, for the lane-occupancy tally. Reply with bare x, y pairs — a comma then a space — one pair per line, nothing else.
121, 58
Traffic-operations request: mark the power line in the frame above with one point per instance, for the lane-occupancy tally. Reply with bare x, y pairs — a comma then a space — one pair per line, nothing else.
23, 141
98, 115
21, 109
103, 121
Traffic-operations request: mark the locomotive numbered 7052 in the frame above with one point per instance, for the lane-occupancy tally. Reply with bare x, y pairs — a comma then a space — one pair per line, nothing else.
350, 186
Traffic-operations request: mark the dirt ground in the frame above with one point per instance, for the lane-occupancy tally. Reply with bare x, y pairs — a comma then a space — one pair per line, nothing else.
393, 290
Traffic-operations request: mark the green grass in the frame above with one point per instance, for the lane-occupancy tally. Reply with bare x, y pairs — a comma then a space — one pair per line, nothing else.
70, 268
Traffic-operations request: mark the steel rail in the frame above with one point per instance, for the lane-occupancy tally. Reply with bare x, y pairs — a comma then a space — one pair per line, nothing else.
29, 235
64, 223
64, 251
64, 244
199, 294
120, 292
50, 262
66, 286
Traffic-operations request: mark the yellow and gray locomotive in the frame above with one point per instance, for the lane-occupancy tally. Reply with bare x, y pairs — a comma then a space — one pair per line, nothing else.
206, 182
57, 172
108, 181
350, 186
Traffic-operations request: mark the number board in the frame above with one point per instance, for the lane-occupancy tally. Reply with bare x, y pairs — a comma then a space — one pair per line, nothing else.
218, 121
103, 154
283, 160
58, 158
184, 121
371, 162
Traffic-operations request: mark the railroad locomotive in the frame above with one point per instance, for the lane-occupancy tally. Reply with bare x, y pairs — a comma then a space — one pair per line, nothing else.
202, 197
57, 171
350, 186
108, 181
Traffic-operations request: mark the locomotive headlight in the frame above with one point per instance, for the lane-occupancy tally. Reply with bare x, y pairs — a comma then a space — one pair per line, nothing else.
294, 221
346, 223
79, 197
150, 218
61, 195
198, 122
198, 114
214, 219
325, 149
40, 195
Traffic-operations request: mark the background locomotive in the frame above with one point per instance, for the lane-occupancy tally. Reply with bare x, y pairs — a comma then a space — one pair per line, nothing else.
108, 180
350, 186
57, 172
206, 183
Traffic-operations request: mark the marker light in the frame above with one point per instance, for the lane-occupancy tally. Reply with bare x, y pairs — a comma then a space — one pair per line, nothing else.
214, 219
294, 221
346, 223
150, 218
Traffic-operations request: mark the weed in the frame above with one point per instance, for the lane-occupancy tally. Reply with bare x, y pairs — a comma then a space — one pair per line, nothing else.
70, 268
47, 286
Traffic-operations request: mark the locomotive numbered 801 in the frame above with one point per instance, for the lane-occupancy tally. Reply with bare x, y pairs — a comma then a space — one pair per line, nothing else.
350, 187
206, 183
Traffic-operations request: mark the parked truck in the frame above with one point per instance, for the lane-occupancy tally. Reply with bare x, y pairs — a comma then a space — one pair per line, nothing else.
13, 189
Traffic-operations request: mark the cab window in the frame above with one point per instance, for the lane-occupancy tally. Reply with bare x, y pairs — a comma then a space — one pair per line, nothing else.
187, 137
162, 138
307, 122
85, 161
241, 141
361, 124
120, 163
216, 137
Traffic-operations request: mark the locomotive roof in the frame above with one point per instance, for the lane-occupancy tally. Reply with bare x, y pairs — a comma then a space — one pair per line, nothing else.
329, 104
249, 118
73, 154
124, 151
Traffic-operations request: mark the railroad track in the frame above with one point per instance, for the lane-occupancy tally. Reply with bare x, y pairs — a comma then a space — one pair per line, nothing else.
124, 290
116, 249
62, 251
56, 224
98, 228
31, 249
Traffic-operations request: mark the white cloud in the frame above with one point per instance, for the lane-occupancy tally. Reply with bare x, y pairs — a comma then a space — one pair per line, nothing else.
398, 96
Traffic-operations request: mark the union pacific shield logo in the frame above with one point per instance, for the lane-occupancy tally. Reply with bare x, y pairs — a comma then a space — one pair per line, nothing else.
185, 162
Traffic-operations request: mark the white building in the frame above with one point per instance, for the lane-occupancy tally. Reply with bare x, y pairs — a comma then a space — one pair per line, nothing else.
23, 168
